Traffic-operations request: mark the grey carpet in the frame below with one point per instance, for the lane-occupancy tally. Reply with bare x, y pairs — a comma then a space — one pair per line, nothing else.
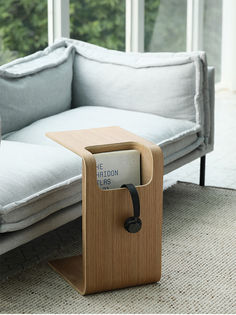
198, 273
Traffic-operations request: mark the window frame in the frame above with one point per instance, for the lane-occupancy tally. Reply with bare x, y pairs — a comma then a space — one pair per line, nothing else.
194, 28
134, 25
58, 19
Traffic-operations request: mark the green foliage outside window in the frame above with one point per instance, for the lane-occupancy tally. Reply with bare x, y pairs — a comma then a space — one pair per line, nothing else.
99, 22
23, 27
23, 24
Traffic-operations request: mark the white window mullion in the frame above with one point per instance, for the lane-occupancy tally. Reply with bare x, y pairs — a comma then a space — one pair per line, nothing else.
134, 25
195, 16
58, 19
228, 63
50, 22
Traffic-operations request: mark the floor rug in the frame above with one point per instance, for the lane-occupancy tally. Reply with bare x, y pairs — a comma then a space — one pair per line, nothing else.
198, 265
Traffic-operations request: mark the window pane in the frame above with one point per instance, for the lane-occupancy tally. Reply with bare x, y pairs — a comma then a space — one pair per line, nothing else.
98, 22
165, 25
23, 28
212, 33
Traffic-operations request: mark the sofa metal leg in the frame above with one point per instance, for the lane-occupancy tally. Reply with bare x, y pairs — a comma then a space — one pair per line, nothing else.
202, 170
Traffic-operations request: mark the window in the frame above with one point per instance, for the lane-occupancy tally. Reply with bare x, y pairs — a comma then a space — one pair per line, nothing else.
23, 28
212, 34
149, 25
98, 22
165, 25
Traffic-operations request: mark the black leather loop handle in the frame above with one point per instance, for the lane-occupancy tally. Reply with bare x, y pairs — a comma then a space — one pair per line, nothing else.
135, 198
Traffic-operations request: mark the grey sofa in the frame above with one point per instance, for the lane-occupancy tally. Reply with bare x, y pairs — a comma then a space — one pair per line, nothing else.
167, 98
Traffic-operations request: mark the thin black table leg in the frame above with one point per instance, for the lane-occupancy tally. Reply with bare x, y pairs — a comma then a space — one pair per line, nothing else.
202, 170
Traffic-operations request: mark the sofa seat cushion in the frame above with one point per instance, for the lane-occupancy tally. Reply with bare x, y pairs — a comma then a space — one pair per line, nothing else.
45, 177
35, 182
173, 135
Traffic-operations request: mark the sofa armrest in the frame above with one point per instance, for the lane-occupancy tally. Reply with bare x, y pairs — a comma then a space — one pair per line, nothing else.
211, 89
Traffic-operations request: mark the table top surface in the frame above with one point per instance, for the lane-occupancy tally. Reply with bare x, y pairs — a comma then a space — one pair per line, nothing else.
79, 140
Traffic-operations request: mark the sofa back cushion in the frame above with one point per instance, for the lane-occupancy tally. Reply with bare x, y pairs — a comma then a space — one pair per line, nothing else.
166, 84
35, 86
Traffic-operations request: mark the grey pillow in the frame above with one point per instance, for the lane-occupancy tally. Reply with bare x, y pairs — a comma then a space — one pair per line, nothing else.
36, 86
166, 84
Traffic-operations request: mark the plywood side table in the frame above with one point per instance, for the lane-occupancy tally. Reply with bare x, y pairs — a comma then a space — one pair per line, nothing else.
112, 258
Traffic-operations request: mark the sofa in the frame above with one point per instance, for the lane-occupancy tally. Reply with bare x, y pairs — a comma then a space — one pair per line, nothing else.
167, 98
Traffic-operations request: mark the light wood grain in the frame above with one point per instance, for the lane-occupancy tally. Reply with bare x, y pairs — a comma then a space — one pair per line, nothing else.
112, 257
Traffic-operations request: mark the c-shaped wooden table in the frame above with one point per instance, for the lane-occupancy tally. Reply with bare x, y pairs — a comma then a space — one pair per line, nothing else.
113, 258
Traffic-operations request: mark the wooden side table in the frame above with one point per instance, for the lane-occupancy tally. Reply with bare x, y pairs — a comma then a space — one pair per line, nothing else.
113, 258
